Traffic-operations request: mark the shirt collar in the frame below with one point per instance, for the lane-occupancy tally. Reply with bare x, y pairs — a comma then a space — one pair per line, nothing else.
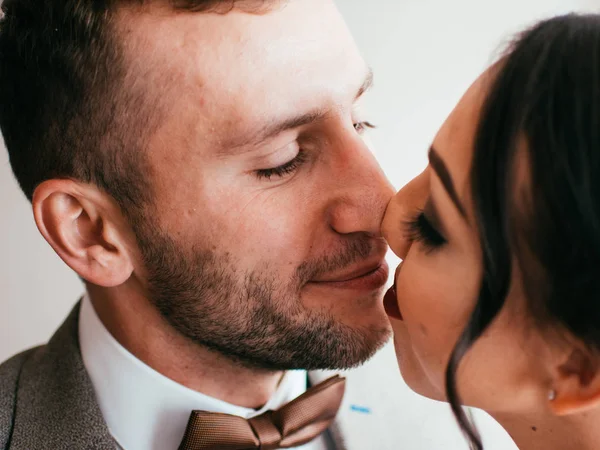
144, 409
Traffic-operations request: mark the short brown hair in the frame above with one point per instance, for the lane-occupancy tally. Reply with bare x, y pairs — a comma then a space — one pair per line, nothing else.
65, 110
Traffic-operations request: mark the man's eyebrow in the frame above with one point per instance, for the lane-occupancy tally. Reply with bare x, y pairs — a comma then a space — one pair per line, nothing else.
275, 128
441, 170
367, 84
271, 130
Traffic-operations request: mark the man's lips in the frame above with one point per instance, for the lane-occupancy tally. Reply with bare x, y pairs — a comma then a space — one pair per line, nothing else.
351, 274
366, 277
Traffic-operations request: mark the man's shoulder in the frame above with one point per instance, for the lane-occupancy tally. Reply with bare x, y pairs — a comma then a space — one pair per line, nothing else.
10, 371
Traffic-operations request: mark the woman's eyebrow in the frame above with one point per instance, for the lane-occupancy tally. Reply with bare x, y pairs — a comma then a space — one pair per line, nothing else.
441, 170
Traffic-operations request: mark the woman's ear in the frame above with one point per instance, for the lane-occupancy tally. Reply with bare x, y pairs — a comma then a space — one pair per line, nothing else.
86, 229
576, 382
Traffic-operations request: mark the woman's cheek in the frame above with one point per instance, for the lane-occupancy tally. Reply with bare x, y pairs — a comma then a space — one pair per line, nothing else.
430, 317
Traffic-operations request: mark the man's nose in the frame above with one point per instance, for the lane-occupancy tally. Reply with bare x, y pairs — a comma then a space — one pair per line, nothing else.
362, 193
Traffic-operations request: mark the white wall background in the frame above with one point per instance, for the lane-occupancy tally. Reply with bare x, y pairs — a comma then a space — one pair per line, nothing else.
425, 53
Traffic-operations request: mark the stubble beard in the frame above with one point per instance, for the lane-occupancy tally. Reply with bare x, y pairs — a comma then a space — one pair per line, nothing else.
250, 317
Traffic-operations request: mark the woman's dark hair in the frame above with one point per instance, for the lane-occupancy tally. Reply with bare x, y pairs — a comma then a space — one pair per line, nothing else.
542, 110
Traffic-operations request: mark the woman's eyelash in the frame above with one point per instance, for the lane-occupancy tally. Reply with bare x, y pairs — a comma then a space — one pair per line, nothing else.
284, 169
420, 229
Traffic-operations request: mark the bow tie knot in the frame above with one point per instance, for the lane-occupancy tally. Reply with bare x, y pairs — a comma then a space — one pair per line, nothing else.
294, 424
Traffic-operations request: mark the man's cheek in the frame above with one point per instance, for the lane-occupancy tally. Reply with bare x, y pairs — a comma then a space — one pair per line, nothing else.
277, 233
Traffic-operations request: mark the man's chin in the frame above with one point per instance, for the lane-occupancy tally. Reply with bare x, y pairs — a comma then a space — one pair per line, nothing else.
361, 329
373, 341
354, 310
350, 347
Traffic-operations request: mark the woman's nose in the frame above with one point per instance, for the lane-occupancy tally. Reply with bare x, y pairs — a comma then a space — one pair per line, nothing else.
401, 208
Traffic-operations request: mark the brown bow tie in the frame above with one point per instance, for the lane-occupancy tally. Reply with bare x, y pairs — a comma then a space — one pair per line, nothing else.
296, 423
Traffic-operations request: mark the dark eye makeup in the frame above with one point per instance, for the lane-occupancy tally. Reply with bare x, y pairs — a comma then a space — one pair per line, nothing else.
420, 229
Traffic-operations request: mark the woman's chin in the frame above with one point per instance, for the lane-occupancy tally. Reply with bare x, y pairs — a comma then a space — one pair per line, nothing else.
413, 373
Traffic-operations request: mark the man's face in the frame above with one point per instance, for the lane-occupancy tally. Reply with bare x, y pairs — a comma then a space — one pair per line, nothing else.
263, 242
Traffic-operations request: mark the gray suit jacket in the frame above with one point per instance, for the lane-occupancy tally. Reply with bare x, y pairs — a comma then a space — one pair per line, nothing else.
47, 401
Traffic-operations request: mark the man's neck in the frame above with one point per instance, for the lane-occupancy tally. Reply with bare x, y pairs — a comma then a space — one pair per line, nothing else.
140, 329
549, 432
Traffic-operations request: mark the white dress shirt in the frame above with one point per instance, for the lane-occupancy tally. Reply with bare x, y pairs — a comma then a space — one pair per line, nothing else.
145, 410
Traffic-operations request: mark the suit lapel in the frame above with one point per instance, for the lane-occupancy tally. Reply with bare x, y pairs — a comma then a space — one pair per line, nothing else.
370, 403
56, 406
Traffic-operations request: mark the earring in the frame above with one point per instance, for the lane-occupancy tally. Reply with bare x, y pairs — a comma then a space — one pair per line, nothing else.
552, 395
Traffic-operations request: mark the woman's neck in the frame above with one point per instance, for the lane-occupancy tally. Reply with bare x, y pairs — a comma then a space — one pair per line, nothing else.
549, 432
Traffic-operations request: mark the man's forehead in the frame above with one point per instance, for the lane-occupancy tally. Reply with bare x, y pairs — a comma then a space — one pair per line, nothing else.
234, 73
155, 23
270, 126
301, 39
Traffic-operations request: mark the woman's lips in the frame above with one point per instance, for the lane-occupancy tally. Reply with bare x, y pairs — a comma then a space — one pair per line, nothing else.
390, 303
390, 300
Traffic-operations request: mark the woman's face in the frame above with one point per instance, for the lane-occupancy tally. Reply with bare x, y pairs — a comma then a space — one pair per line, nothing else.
430, 225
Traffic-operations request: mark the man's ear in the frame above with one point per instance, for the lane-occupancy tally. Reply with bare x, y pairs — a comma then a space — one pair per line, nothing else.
86, 229
576, 382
